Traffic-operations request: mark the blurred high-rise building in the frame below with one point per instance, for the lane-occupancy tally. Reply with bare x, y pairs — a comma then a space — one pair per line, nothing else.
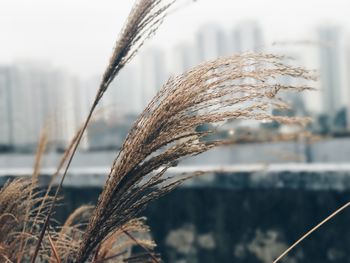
64, 110
347, 73
124, 94
28, 103
183, 58
211, 42
299, 55
331, 71
247, 36
152, 74
5, 110
294, 99
37, 95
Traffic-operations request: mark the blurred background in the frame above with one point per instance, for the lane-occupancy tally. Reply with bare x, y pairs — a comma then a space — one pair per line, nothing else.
259, 196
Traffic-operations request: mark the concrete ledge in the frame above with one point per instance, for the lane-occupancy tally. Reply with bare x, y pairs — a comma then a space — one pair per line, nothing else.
315, 176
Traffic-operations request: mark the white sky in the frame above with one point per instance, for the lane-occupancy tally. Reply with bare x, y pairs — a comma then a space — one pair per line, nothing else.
79, 34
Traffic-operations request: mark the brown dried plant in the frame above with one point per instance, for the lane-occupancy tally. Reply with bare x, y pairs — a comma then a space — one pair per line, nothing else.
311, 231
121, 242
142, 22
14, 200
43, 140
236, 87
116, 248
21, 221
66, 239
17, 213
19, 200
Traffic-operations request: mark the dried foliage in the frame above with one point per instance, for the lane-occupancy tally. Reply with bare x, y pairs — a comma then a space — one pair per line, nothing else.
16, 221
115, 248
237, 87
142, 22
61, 245
121, 242
43, 140
12, 219
311, 231
61, 163
66, 239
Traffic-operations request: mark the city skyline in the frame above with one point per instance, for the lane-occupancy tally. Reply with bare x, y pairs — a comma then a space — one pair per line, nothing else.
48, 92
82, 41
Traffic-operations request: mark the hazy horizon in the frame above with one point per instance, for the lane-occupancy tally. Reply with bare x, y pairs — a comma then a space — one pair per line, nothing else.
79, 36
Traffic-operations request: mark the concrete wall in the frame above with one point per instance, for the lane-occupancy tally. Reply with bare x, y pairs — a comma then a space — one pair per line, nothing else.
206, 225
329, 151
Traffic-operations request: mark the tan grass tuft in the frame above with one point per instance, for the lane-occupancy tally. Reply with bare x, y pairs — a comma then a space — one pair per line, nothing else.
13, 217
142, 22
237, 87
133, 233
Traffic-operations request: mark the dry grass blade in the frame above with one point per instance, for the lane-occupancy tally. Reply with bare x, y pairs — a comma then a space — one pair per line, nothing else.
110, 257
62, 161
38, 157
13, 202
133, 233
311, 231
43, 140
141, 258
148, 252
142, 22
13, 219
79, 215
54, 250
238, 87
69, 236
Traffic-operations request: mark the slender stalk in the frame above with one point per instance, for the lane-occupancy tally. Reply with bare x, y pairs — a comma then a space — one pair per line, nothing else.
46, 223
311, 231
142, 22
37, 165
166, 132
155, 260
111, 257
54, 249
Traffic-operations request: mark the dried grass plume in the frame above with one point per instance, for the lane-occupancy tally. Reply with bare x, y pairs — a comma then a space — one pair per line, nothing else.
237, 87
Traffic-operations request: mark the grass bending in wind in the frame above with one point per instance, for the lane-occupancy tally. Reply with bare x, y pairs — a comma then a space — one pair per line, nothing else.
13, 219
43, 140
142, 22
237, 87
311, 231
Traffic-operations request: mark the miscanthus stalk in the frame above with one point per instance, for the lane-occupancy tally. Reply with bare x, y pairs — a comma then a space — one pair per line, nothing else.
142, 22
13, 217
237, 87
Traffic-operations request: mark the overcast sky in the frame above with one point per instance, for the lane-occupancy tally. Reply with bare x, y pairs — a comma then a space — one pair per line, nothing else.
79, 34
